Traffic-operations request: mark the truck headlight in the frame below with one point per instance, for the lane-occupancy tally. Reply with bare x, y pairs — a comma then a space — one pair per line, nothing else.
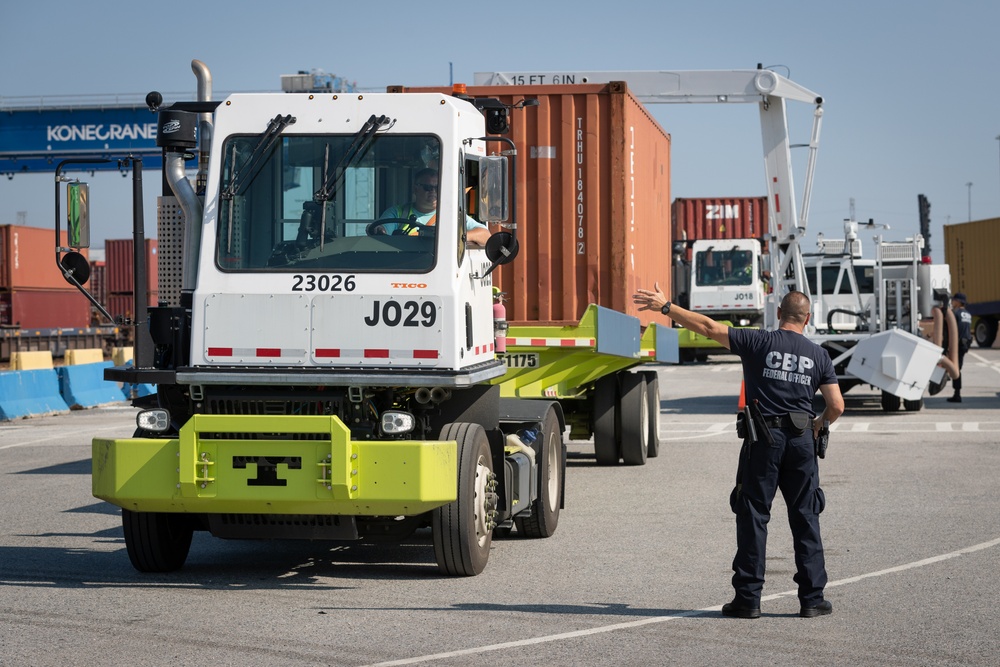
155, 421
396, 422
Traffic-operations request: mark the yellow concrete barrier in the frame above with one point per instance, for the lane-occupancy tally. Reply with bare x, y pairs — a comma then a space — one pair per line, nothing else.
30, 361
88, 356
121, 355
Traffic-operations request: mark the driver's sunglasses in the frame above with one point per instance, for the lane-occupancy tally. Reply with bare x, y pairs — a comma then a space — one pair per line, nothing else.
427, 187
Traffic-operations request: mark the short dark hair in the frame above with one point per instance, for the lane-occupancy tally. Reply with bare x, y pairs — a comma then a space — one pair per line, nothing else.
424, 173
795, 307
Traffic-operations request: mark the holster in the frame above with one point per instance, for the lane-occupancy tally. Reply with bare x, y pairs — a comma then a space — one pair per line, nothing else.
741, 425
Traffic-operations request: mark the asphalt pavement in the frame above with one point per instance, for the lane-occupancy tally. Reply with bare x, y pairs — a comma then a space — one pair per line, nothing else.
634, 575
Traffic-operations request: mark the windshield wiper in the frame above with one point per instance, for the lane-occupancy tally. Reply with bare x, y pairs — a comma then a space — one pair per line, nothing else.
331, 181
254, 162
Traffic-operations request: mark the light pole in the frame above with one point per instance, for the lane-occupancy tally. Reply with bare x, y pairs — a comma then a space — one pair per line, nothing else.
969, 185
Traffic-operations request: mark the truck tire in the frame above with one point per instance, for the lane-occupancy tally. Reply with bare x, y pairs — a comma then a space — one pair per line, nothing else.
653, 401
913, 406
633, 411
605, 406
156, 541
890, 402
463, 530
985, 332
545, 509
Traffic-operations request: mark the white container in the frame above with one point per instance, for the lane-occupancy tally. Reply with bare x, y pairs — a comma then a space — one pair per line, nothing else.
897, 362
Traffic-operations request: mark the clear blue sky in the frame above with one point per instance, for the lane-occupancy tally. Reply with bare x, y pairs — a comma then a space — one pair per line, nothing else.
912, 90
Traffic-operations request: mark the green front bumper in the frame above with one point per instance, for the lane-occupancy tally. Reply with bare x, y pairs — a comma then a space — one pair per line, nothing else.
334, 475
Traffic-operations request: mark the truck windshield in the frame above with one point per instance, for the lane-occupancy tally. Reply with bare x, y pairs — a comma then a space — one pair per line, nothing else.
283, 218
723, 267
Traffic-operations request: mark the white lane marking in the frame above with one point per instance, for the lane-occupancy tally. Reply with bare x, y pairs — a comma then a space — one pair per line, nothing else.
859, 427
984, 361
663, 619
942, 426
36, 441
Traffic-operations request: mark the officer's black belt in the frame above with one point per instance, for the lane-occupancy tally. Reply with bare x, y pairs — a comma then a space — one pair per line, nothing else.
783, 422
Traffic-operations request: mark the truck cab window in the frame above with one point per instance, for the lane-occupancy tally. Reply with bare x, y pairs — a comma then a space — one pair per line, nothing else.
310, 203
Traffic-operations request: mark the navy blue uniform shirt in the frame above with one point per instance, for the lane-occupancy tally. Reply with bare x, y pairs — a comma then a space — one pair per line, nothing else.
781, 369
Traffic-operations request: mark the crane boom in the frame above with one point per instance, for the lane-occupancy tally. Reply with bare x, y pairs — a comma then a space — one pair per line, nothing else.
769, 90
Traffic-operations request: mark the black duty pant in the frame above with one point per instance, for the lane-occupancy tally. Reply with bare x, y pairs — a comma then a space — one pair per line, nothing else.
790, 465
957, 383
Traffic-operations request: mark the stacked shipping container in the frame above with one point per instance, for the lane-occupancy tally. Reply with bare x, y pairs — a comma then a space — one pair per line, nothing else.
33, 293
593, 201
120, 276
719, 218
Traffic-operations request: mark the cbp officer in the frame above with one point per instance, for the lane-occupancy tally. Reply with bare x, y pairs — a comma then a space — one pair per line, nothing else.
782, 370
964, 321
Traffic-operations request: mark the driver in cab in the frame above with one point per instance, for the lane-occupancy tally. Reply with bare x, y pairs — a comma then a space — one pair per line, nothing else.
410, 219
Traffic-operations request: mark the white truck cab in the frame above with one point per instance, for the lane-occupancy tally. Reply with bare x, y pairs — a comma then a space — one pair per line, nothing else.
727, 280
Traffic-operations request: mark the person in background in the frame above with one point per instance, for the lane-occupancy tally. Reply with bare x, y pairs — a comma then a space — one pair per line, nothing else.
964, 321
782, 369
422, 210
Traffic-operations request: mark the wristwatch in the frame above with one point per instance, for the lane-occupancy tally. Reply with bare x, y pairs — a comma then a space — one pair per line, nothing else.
666, 308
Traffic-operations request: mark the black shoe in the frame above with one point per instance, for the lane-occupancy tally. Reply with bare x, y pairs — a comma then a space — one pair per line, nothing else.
734, 610
824, 608
955, 399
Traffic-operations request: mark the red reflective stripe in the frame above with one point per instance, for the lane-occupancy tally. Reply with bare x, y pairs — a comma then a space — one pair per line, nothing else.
220, 351
376, 354
327, 353
538, 342
268, 351
425, 354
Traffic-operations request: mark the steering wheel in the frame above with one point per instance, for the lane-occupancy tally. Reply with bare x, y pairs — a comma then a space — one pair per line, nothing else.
372, 229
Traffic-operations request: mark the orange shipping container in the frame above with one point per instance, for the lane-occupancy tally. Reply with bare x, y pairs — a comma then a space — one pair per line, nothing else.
28, 259
44, 309
593, 207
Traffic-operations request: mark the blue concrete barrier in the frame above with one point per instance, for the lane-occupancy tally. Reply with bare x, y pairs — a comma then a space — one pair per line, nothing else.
24, 393
140, 390
84, 386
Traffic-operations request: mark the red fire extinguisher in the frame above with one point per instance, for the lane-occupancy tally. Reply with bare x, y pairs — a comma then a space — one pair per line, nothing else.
499, 321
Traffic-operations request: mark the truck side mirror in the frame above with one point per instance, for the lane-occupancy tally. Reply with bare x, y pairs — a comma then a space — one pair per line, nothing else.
76, 265
494, 195
78, 215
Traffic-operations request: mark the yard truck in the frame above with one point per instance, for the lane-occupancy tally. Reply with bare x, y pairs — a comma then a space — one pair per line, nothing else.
317, 373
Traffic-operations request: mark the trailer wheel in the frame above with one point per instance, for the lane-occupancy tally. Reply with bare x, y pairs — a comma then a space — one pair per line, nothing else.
986, 332
653, 401
155, 541
605, 419
634, 416
913, 406
545, 510
890, 402
463, 530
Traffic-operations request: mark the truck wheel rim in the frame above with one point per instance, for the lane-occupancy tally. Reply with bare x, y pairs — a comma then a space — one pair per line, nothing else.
552, 479
485, 502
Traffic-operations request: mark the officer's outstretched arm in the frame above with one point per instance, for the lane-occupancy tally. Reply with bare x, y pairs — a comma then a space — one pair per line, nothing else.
701, 324
654, 299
